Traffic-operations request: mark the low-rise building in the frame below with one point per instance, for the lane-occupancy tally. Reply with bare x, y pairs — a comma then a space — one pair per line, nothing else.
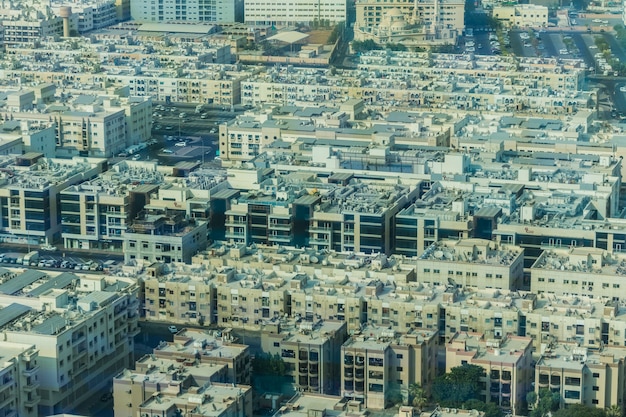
20, 379
581, 375
83, 337
310, 350
216, 348
507, 364
475, 263
521, 15
379, 363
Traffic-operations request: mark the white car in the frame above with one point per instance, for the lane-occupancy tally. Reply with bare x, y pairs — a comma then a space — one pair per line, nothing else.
172, 329
623, 89
181, 144
49, 248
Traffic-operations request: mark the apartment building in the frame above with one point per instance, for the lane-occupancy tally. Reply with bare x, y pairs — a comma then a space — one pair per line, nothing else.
88, 125
581, 375
217, 348
378, 363
24, 30
507, 365
82, 336
591, 272
522, 15
192, 11
222, 400
20, 379
163, 236
300, 11
417, 228
477, 263
152, 376
29, 196
310, 350
88, 15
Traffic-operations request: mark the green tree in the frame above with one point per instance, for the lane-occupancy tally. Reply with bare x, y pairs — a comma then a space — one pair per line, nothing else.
458, 386
547, 402
579, 410
490, 409
417, 396
364, 46
614, 411
266, 364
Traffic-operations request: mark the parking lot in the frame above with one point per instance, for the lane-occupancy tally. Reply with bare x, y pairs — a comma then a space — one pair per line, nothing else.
58, 260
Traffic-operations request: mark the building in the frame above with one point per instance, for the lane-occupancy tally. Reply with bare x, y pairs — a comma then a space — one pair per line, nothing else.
507, 365
438, 21
581, 375
582, 272
192, 11
83, 337
521, 15
258, 12
20, 379
29, 195
163, 236
310, 350
88, 15
378, 363
153, 376
475, 263
217, 348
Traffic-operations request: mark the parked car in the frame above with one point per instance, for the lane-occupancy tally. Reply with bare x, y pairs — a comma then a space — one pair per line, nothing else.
172, 329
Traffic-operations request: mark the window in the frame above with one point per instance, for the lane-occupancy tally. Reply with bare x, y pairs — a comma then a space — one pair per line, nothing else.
399, 356
399, 368
595, 388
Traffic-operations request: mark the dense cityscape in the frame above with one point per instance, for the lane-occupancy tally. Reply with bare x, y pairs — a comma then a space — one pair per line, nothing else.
313, 208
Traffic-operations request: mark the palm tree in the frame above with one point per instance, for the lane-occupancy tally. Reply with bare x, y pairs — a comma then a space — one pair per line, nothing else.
614, 411
417, 395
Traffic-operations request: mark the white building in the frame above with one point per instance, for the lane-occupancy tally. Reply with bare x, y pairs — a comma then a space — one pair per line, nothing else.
261, 12
192, 10
84, 337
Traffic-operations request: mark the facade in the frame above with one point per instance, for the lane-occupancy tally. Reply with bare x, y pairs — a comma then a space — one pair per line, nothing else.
507, 365
89, 15
582, 376
259, 12
80, 345
522, 15
472, 263
20, 379
161, 236
310, 350
590, 272
29, 198
193, 11
378, 362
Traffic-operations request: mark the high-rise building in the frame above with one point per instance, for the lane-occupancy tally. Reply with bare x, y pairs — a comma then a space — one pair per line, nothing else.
190, 10
279, 13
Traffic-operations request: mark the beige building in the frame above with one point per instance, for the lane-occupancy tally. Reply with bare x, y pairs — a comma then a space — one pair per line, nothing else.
475, 263
583, 376
507, 364
441, 20
216, 348
522, 15
378, 363
20, 379
310, 350
579, 271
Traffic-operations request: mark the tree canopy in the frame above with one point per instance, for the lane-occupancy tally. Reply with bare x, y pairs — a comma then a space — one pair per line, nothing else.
460, 385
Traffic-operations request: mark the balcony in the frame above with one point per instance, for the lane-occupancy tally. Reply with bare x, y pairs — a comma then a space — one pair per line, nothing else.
30, 371
32, 402
348, 373
506, 375
32, 386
